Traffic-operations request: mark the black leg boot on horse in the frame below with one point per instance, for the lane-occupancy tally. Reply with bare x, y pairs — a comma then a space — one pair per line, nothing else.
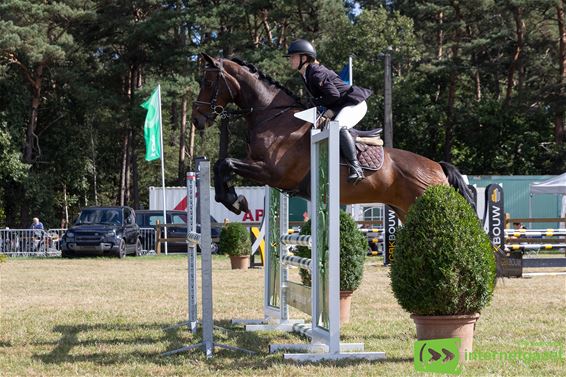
348, 149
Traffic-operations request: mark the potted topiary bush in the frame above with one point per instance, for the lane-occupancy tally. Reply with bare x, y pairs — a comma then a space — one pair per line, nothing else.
235, 242
443, 271
353, 250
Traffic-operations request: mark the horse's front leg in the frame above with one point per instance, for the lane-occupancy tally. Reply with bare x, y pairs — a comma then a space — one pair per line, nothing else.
225, 192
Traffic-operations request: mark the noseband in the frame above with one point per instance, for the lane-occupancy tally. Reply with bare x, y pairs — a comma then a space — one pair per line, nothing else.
218, 110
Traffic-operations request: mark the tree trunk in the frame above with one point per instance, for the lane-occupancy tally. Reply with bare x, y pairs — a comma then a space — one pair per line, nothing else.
66, 207
559, 116
134, 181
128, 181
439, 46
31, 137
449, 126
94, 173
514, 66
124, 170
264, 14
439, 35
477, 78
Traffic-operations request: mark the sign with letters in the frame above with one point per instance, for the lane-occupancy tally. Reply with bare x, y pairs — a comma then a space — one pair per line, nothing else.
390, 224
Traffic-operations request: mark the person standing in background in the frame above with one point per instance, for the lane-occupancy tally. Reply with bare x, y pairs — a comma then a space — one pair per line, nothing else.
36, 224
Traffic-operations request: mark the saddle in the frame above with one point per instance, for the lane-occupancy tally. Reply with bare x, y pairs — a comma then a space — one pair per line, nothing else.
369, 146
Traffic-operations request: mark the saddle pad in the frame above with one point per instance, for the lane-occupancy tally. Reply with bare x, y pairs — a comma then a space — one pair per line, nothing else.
369, 140
369, 156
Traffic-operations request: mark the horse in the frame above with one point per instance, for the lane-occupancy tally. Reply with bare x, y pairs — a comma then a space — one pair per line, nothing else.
279, 144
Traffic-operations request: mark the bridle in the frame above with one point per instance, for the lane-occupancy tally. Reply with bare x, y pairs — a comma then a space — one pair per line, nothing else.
219, 110
227, 114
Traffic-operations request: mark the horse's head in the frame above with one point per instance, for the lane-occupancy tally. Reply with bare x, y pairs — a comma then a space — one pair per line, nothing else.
217, 89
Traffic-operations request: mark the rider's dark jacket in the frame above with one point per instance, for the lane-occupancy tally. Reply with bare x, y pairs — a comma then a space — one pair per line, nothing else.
328, 89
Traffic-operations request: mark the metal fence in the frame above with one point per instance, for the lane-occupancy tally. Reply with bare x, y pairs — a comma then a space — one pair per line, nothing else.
47, 243
30, 242
147, 236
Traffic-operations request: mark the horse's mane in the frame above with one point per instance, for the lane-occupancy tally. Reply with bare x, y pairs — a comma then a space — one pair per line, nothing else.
262, 76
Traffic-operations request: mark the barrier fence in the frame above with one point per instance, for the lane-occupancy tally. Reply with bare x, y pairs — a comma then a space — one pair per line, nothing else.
47, 243
30, 242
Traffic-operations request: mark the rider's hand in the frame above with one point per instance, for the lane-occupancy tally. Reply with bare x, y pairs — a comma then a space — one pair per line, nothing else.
325, 118
323, 122
328, 114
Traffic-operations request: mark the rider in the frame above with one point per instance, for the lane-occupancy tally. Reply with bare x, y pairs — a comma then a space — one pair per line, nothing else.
345, 103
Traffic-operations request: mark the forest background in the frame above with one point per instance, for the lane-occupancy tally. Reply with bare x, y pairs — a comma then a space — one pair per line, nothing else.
479, 83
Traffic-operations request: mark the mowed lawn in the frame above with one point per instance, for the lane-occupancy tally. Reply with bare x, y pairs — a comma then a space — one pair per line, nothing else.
107, 317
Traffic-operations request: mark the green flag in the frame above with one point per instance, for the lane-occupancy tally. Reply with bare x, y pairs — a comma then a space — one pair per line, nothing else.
152, 126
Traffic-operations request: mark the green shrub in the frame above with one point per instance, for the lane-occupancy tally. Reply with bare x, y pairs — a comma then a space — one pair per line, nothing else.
353, 250
443, 262
235, 240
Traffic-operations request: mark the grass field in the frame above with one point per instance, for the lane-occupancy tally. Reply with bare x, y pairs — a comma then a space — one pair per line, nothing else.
106, 317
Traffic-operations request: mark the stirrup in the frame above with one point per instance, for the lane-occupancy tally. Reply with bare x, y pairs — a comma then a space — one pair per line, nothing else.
355, 175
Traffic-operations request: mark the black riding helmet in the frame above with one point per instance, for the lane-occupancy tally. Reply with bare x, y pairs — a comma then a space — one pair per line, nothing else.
301, 46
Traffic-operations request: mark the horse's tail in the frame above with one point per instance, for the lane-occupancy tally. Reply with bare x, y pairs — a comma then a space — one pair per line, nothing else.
456, 180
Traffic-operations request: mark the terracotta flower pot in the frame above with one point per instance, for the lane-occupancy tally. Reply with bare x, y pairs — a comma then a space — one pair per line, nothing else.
345, 304
240, 262
448, 326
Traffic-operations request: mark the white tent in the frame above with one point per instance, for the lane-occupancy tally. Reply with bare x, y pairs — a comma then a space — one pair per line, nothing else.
555, 185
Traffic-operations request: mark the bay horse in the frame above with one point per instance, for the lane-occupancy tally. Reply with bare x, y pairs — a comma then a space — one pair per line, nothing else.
279, 144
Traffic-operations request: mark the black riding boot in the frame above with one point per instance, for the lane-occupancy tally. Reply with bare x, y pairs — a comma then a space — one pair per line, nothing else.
348, 149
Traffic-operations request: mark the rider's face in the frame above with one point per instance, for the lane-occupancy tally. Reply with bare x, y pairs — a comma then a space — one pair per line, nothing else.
295, 60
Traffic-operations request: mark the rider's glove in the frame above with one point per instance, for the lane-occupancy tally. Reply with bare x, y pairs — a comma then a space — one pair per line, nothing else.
325, 118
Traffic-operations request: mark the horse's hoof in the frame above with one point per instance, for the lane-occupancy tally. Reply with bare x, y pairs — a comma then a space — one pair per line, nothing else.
242, 204
233, 209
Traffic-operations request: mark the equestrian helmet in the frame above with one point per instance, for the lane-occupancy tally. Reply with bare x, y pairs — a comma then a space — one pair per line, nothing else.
301, 46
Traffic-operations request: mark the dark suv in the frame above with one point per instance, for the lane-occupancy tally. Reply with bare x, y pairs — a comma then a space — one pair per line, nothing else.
147, 218
103, 231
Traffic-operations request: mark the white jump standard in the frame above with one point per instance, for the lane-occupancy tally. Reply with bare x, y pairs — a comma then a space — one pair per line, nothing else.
321, 300
204, 240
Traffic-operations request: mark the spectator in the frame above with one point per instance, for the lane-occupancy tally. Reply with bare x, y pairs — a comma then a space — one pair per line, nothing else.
36, 224
518, 226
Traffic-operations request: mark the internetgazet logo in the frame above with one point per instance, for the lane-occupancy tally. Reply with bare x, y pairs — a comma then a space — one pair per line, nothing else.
438, 356
552, 351
442, 355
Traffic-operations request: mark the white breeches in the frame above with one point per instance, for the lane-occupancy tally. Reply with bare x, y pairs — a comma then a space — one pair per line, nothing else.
349, 116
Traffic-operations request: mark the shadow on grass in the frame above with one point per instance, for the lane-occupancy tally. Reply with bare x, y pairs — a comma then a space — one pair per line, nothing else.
100, 344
